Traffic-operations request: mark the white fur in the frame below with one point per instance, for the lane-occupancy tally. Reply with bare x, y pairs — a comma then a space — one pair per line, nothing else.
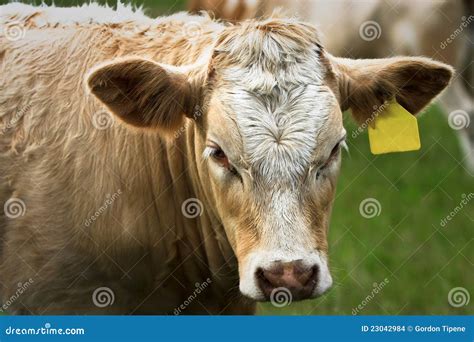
87, 13
280, 124
280, 103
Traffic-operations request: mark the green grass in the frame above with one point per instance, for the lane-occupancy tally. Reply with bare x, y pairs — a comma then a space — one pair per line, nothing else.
152, 7
405, 243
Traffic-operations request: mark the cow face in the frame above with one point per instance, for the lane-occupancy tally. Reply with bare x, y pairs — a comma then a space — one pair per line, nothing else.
271, 136
273, 160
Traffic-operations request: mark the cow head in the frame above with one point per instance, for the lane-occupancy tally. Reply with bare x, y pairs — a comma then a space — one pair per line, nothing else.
270, 135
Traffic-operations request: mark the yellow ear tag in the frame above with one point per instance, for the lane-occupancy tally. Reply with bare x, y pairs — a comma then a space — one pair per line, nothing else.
394, 130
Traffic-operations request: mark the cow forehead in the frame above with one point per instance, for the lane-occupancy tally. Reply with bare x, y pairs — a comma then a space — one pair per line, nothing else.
279, 131
279, 115
273, 81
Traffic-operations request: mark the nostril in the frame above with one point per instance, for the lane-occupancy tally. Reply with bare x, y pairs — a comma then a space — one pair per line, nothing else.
295, 276
260, 274
263, 282
313, 276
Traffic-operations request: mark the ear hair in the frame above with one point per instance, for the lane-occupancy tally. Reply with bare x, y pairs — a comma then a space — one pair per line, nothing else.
366, 84
146, 94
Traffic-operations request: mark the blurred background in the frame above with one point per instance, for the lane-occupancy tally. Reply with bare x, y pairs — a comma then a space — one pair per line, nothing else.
402, 231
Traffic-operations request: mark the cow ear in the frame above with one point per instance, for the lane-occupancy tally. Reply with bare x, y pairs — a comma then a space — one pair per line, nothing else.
146, 94
365, 84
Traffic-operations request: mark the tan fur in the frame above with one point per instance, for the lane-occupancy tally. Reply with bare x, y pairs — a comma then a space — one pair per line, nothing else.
144, 93
152, 76
62, 167
366, 84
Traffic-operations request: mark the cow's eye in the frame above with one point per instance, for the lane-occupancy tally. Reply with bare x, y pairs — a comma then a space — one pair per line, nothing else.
332, 157
334, 153
219, 156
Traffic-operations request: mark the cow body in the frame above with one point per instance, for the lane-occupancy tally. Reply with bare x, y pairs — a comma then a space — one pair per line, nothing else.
62, 167
175, 165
